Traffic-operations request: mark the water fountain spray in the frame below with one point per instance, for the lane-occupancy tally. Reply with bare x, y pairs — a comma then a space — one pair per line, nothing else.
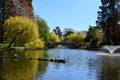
111, 48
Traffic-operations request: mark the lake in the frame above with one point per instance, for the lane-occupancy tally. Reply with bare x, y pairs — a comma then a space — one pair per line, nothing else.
80, 65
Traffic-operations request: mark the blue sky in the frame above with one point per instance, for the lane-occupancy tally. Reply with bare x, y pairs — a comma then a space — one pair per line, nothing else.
75, 14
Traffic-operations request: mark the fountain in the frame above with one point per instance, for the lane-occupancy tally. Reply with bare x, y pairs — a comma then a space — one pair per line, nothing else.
110, 48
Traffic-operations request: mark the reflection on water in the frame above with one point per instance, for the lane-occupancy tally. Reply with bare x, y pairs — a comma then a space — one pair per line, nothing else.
110, 68
80, 65
12, 69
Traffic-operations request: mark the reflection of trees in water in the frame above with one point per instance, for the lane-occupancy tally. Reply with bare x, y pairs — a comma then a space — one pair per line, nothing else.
105, 68
110, 68
42, 65
20, 69
1, 66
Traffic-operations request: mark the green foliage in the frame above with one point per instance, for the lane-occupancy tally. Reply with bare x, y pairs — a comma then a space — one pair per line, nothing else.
93, 37
30, 2
43, 29
108, 21
3, 45
35, 44
58, 32
21, 30
78, 38
67, 31
54, 37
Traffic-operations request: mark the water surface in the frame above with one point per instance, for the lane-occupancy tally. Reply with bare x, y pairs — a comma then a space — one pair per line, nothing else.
80, 65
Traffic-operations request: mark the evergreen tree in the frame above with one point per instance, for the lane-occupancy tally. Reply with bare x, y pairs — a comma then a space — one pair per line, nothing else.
109, 21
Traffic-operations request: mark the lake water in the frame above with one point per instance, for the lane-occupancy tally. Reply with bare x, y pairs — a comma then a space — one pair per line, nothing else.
80, 65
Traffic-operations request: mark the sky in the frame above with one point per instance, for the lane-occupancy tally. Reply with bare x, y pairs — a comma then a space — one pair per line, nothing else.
75, 14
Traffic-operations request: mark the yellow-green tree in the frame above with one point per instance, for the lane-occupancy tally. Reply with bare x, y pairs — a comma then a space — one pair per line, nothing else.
78, 38
54, 37
22, 32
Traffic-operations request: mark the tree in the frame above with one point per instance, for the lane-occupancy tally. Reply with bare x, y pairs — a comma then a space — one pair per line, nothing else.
67, 32
54, 37
6, 10
43, 29
30, 2
14, 8
24, 8
93, 37
22, 32
58, 31
78, 38
109, 20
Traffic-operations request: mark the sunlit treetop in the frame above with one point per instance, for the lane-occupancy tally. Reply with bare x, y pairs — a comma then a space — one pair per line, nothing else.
25, 30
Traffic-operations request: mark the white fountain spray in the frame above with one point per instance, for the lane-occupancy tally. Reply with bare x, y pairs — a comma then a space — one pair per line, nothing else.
111, 48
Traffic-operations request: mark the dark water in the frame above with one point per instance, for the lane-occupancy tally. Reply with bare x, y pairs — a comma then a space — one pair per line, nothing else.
80, 65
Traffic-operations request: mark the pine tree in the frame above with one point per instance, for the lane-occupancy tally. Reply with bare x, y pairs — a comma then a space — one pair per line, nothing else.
109, 21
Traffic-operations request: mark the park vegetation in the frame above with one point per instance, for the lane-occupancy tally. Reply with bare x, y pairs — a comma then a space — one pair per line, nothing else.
54, 37
22, 31
58, 32
43, 29
92, 39
109, 21
67, 32
12, 8
77, 38
21, 28
29, 33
